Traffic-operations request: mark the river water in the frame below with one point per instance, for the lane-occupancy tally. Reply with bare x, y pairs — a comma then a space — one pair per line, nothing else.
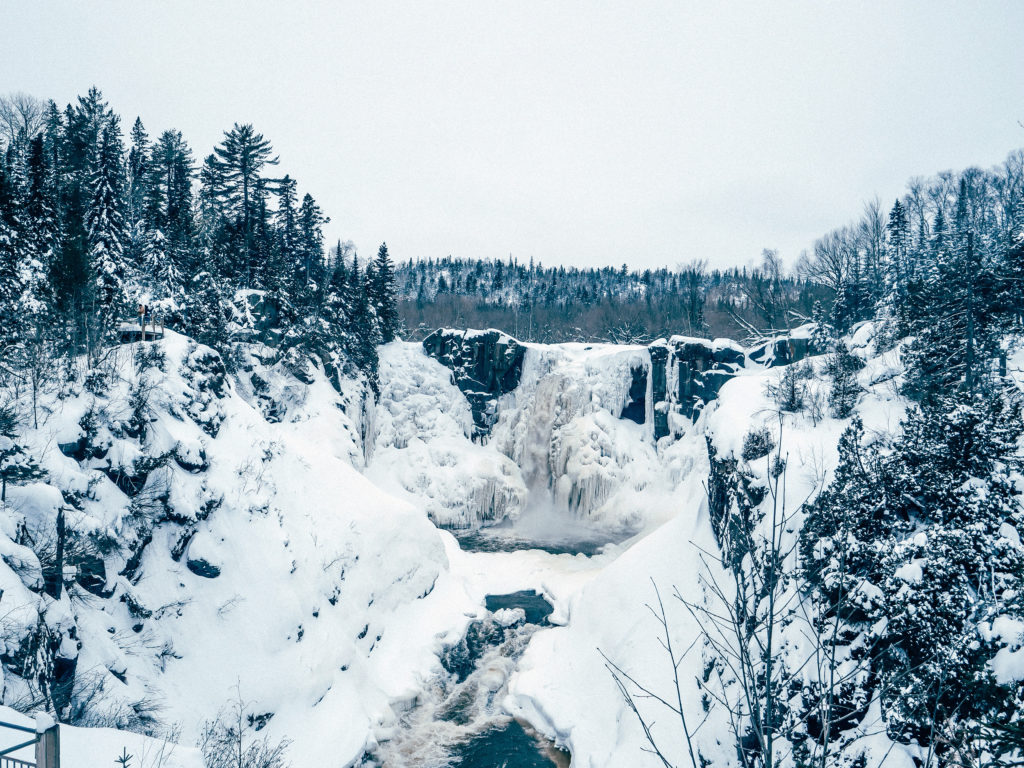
459, 720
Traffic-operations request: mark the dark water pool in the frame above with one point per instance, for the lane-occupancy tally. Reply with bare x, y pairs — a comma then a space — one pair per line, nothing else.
537, 608
507, 539
509, 746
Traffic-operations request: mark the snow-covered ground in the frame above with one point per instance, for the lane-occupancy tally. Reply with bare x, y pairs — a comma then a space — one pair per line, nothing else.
289, 554
89, 747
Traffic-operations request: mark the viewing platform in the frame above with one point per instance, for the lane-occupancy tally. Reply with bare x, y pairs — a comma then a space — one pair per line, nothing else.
132, 332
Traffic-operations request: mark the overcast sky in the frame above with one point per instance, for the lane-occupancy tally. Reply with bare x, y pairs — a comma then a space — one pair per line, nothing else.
650, 133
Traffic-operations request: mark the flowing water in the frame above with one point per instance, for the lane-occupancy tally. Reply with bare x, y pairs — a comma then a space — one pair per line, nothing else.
458, 720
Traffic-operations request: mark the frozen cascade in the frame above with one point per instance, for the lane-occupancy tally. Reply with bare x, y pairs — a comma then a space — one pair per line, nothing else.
562, 425
559, 448
422, 448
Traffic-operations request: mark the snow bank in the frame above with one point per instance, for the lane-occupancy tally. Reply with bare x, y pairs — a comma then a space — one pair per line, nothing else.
89, 747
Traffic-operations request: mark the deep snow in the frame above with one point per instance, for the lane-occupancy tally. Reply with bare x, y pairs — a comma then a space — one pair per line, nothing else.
337, 593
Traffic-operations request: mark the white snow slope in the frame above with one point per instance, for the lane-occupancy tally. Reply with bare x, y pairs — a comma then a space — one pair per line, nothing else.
333, 597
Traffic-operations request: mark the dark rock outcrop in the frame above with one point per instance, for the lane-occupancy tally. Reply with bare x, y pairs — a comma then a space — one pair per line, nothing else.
659, 352
636, 406
201, 567
700, 368
703, 367
782, 350
91, 574
485, 365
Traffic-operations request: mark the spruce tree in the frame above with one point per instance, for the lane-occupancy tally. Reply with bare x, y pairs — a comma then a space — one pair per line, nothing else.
204, 317
138, 176
287, 228
105, 226
17, 466
842, 369
11, 323
383, 291
169, 213
311, 240
239, 159
42, 235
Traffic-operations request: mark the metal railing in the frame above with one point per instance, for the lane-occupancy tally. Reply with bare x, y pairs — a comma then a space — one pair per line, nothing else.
46, 743
13, 762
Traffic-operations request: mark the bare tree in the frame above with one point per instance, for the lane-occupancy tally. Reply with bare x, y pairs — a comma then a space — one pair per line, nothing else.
21, 116
231, 740
871, 236
740, 621
767, 295
829, 265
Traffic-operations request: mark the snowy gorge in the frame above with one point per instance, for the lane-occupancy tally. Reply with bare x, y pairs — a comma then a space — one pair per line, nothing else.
292, 544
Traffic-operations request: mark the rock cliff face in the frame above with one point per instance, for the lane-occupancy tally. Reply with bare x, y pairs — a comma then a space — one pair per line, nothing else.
691, 372
682, 376
486, 365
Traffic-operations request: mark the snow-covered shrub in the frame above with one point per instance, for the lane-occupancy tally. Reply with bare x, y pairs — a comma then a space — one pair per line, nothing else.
757, 443
150, 355
843, 366
790, 394
96, 382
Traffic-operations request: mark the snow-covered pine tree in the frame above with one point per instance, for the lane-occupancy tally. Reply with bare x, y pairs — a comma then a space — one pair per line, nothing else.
286, 221
821, 335
842, 369
11, 325
203, 311
364, 326
919, 532
957, 317
105, 227
311, 247
383, 292
137, 177
17, 465
173, 169
239, 159
43, 232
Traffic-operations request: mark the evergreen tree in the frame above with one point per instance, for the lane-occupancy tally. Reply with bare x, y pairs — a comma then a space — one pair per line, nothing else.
17, 466
917, 531
898, 230
138, 179
383, 292
365, 330
204, 317
842, 369
311, 240
11, 324
42, 238
821, 336
106, 235
169, 212
239, 159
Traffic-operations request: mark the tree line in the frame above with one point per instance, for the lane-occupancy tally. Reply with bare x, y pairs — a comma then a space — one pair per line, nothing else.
616, 304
